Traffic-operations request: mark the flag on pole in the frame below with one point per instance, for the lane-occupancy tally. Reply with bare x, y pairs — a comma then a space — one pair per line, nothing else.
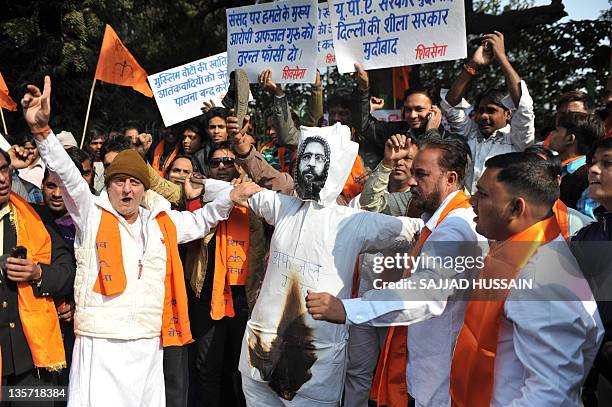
5, 100
117, 66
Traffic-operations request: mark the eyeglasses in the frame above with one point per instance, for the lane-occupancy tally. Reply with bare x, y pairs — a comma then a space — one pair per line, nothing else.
227, 161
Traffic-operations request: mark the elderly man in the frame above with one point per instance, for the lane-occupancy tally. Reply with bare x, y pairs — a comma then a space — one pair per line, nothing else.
130, 292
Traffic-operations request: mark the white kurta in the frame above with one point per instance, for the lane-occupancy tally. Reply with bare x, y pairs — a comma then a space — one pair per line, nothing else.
313, 248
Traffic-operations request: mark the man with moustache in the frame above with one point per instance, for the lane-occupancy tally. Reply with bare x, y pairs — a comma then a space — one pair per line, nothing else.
522, 348
439, 172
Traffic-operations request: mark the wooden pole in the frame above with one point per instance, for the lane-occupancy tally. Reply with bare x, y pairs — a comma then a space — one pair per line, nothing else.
3, 122
93, 85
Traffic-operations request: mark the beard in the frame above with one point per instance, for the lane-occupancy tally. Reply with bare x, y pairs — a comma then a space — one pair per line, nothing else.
428, 204
309, 184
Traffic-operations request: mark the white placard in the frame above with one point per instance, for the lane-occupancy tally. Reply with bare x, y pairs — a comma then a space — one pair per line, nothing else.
179, 92
325, 43
386, 33
281, 36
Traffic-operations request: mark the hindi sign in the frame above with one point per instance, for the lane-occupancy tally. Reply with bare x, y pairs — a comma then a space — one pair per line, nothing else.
281, 36
325, 43
385, 33
179, 92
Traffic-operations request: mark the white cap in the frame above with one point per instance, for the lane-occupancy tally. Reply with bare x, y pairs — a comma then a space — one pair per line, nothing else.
67, 139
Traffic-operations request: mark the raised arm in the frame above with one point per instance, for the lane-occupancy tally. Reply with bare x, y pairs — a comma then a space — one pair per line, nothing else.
314, 110
287, 133
495, 42
256, 167
373, 196
77, 196
481, 58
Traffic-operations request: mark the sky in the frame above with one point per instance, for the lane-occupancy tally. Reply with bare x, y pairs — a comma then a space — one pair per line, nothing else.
580, 9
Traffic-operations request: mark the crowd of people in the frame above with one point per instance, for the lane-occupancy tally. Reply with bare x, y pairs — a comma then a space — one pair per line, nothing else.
212, 265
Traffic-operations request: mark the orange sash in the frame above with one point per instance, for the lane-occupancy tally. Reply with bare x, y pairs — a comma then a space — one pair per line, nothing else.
111, 279
38, 315
570, 160
560, 211
352, 187
389, 387
231, 263
473, 365
159, 150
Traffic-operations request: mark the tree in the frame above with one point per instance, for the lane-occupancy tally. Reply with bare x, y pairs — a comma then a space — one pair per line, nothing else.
63, 37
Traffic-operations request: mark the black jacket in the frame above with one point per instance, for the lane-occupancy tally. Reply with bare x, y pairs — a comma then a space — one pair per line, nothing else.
57, 281
592, 247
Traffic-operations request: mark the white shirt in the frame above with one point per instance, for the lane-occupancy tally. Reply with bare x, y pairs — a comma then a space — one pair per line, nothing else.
430, 341
516, 136
313, 247
34, 174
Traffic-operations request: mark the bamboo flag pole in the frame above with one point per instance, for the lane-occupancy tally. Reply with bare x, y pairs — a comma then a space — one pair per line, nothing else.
93, 85
3, 122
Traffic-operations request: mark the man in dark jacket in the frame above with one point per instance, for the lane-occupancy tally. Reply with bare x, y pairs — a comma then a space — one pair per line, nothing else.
591, 246
55, 279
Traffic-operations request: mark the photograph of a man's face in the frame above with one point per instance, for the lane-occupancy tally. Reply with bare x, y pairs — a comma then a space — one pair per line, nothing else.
312, 168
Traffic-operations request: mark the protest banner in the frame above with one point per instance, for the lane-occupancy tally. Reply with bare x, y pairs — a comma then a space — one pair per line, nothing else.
325, 43
179, 92
281, 36
386, 33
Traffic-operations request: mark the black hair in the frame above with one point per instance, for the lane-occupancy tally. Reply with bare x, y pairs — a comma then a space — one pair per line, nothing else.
6, 156
494, 95
421, 91
454, 155
95, 134
539, 150
194, 165
215, 112
527, 175
222, 145
117, 144
341, 99
576, 96
587, 127
604, 143
130, 126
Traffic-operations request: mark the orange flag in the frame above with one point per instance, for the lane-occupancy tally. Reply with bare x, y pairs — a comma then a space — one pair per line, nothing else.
5, 100
116, 65
401, 81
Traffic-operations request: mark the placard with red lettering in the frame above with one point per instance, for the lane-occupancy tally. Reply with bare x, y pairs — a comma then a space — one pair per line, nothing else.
325, 43
281, 36
386, 33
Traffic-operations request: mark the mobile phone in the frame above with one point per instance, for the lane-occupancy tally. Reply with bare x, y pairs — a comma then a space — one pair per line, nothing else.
19, 252
429, 116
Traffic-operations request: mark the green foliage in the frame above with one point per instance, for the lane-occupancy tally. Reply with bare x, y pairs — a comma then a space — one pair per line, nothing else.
62, 38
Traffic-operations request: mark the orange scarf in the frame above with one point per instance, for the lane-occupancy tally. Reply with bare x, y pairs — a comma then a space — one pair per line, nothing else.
112, 281
38, 315
473, 365
231, 265
561, 213
570, 160
159, 150
352, 186
389, 387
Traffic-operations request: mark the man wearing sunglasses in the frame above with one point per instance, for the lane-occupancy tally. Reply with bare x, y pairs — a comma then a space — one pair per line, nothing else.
224, 275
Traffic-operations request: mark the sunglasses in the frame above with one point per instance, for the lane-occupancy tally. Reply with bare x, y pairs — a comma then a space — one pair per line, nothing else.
227, 161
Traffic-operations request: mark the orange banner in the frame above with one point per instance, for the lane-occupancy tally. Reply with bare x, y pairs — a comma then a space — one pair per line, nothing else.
5, 100
117, 66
